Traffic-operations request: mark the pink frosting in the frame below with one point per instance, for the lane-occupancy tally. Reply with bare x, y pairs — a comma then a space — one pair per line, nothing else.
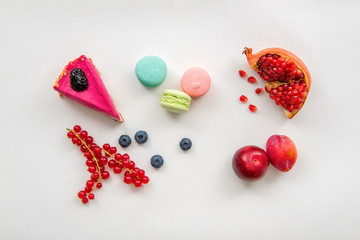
95, 96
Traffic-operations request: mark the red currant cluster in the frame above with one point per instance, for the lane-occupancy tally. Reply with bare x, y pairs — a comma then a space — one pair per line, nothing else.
97, 159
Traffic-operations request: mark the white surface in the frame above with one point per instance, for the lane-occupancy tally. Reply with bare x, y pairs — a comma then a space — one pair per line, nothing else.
195, 195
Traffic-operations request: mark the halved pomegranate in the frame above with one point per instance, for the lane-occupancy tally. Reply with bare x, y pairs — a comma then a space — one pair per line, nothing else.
288, 79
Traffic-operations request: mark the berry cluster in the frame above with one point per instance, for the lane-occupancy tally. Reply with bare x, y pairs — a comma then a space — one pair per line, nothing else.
273, 67
290, 95
119, 162
97, 159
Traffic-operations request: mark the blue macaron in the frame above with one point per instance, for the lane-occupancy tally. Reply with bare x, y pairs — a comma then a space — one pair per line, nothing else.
151, 71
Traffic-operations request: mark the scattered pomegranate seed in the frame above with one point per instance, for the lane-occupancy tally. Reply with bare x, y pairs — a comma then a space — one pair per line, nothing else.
252, 108
258, 90
252, 80
243, 99
242, 73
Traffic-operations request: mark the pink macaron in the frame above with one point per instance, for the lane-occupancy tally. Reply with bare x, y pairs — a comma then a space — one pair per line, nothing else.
196, 82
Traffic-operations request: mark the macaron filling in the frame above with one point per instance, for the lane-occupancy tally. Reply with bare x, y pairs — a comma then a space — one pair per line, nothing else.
175, 101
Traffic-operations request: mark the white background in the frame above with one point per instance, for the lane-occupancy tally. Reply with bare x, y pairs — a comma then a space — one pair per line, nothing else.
195, 195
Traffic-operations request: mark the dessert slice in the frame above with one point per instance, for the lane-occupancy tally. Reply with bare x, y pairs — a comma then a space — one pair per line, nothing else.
80, 81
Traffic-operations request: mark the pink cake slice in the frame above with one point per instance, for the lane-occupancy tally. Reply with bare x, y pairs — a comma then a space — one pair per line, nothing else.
92, 93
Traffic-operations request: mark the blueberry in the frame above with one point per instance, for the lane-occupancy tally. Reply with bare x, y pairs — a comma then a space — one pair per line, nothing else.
78, 80
124, 140
157, 161
185, 144
141, 137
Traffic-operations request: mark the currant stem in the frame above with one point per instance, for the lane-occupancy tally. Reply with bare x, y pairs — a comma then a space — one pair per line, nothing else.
127, 169
96, 161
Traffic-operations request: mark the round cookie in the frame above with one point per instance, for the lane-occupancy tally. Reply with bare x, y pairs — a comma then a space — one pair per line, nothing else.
175, 101
151, 71
196, 82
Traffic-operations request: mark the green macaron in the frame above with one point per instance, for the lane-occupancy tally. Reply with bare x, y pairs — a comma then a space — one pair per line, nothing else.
175, 101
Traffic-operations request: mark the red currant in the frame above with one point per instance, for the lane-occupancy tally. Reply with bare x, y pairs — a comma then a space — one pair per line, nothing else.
125, 164
95, 176
83, 148
145, 180
81, 194
70, 134
141, 173
91, 196
92, 169
90, 163
106, 146
99, 185
75, 140
83, 134
117, 169
84, 200
125, 157
117, 157
112, 150
88, 189
111, 163
87, 155
105, 175
89, 139
90, 183
97, 151
131, 165
137, 183
127, 173
103, 161
128, 180
93, 146
77, 128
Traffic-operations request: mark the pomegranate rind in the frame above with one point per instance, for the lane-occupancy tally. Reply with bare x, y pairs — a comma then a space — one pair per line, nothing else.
254, 58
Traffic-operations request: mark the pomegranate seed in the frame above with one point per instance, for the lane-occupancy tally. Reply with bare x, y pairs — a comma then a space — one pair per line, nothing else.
242, 73
252, 108
258, 90
252, 80
303, 94
243, 99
